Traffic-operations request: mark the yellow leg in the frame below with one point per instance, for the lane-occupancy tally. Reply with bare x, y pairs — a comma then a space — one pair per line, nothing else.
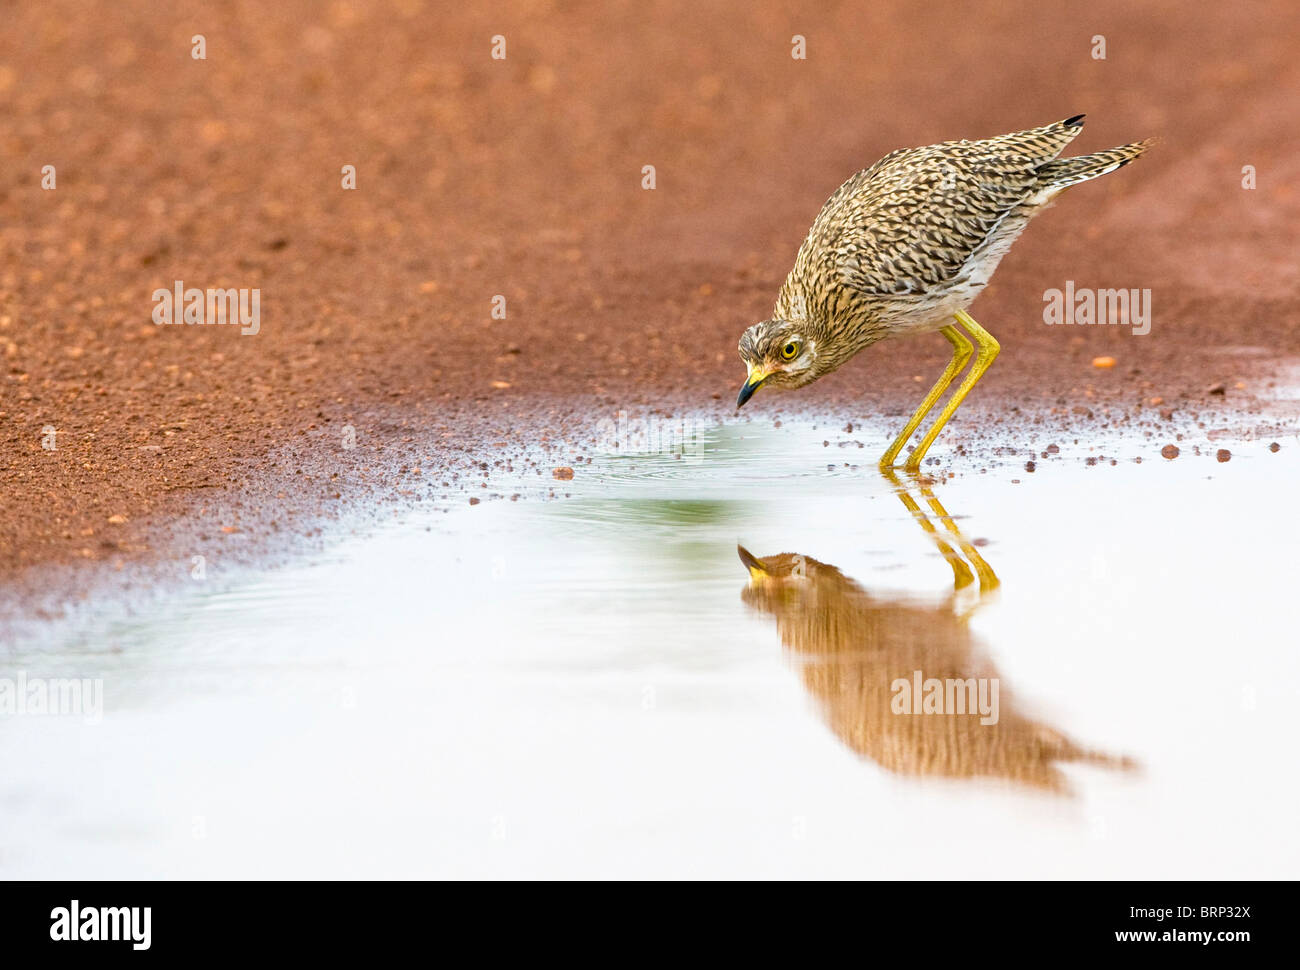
987, 353
988, 579
961, 351
961, 574
961, 568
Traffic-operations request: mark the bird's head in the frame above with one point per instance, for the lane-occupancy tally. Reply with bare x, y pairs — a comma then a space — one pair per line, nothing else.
778, 581
777, 353
788, 586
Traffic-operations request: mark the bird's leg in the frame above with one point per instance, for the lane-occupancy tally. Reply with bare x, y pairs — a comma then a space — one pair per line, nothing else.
988, 578
961, 574
961, 352
987, 353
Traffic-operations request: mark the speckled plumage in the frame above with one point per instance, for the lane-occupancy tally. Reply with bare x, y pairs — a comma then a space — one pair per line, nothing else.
902, 245
850, 648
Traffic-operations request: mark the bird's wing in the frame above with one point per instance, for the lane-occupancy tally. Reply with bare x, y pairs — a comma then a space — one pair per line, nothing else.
910, 222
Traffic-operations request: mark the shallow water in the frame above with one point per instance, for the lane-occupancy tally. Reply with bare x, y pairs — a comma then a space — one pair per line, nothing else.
599, 687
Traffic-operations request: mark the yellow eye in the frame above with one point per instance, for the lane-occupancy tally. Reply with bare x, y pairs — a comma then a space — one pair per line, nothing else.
790, 351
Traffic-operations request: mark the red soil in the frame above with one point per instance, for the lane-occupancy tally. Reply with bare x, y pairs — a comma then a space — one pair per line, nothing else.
522, 177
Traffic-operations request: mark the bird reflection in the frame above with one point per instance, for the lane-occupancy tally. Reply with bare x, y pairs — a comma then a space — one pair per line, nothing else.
864, 656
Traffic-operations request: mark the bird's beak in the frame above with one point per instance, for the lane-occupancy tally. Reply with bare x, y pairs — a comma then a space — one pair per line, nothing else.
754, 565
752, 383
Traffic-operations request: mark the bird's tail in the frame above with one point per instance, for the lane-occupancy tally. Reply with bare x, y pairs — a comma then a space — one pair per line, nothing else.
1062, 172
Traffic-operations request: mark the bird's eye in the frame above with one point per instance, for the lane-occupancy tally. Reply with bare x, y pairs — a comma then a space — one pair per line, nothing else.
791, 350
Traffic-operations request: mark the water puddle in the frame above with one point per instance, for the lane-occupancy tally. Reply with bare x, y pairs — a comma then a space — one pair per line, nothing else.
607, 686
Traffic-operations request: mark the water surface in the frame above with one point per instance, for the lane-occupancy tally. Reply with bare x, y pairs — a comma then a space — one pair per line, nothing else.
599, 686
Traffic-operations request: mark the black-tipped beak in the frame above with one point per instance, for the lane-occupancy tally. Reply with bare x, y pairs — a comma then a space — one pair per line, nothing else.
747, 391
752, 563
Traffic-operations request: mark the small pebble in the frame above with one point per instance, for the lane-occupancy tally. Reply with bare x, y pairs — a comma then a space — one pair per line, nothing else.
1223, 454
1275, 447
1169, 451
564, 473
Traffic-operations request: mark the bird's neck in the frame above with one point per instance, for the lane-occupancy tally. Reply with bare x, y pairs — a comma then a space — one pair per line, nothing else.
792, 302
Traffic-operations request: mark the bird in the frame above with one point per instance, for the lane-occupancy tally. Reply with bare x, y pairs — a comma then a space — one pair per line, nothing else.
851, 648
904, 247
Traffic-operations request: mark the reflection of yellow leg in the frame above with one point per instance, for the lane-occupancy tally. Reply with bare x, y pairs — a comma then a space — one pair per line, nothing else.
961, 351
987, 353
988, 579
961, 572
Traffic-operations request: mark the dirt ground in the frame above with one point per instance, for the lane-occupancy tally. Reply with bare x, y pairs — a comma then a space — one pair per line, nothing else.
522, 178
